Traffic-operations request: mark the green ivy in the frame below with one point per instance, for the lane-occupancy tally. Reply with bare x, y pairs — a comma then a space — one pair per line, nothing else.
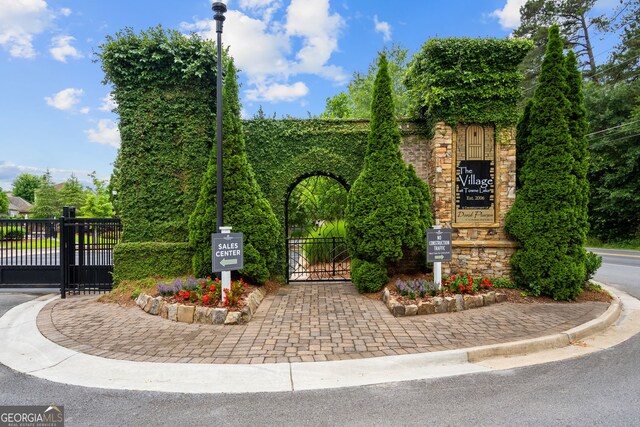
164, 85
463, 80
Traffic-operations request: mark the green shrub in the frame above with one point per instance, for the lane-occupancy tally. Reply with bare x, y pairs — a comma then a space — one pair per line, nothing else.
546, 214
592, 263
140, 260
245, 207
368, 276
12, 232
502, 283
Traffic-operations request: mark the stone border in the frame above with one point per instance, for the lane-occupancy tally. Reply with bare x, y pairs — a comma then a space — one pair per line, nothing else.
441, 305
201, 315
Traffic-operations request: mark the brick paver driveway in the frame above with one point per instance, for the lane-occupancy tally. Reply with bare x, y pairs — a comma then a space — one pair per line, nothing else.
301, 322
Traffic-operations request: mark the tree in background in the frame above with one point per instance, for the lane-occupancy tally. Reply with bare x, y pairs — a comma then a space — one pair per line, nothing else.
624, 62
357, 101
25, 186
245, 208
577, 29
97, 202
72, 193
47, 203
550, 260
4, 202
338, 107
378, 217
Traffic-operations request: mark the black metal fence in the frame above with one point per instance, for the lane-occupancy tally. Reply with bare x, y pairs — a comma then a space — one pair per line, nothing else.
318, 258
75, 254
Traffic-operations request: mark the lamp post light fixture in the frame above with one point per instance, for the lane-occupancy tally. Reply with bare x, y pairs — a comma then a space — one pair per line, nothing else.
219, 9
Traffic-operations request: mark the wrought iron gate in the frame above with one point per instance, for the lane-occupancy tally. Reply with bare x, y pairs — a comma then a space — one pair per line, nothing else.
74, 254
316, 246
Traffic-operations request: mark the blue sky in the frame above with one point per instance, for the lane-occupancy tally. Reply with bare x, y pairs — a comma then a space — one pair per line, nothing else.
55, 112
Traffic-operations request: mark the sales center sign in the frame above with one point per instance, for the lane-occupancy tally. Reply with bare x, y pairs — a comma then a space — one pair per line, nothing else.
227, 252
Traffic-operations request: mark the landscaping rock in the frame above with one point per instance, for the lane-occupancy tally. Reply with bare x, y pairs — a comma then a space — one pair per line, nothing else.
397, 309
172, 312
141, 301
479, 300
186, 313
451, 304
233, 318
219, 315
411, 310
440, 305
426, 308
149, 302
489, 298
155, 305
459, 301
385, 295
164, 310
500, 297
203, 316
469, 302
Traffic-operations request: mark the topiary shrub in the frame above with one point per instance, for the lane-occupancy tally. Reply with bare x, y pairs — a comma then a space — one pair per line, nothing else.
543, 219
368, 276
383, 221
140, 260
245, 207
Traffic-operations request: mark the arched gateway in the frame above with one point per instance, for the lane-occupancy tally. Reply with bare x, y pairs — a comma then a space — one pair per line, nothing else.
315, 230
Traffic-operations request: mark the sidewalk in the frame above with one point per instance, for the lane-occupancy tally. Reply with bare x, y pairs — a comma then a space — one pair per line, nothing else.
303, 337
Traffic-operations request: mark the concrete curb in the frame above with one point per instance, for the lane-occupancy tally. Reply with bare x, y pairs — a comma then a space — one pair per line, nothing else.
563, 339
33, 354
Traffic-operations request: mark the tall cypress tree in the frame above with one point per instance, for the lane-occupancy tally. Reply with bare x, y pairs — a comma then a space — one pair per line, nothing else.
543, 217
377, 213
578, 128
523, 131
245, 207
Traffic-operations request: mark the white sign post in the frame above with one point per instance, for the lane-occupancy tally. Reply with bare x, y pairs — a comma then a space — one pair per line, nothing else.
437, 267
226, 274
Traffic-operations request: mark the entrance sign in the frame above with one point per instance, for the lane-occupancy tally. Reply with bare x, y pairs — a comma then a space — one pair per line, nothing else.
439, 245
475, 177
227, 251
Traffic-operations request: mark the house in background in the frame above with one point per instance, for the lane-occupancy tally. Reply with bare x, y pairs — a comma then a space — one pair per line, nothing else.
19, 206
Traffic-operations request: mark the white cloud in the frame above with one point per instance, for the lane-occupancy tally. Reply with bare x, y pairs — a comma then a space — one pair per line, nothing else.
382, 27
20, 21
106, 133
108, 103
66, 99
61, 48
262, 45
509, 15
9, 171
278, 92
65, 11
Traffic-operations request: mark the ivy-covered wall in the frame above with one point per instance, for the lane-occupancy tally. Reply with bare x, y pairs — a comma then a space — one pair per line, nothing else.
282, 151
463, 80
164, 86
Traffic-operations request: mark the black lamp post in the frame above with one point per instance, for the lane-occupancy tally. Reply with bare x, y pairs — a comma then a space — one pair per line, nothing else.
219, 8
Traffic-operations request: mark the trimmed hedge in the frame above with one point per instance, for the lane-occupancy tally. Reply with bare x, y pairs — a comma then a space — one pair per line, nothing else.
139, 260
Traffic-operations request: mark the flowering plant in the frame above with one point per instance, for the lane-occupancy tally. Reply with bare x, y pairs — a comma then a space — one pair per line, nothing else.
206, 291
466, 284
414, 288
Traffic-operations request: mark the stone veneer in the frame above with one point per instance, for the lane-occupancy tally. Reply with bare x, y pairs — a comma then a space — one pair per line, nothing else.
202, 315
479, 249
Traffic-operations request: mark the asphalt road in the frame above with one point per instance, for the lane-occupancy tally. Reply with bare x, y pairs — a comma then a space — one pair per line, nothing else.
602, 388
620, 269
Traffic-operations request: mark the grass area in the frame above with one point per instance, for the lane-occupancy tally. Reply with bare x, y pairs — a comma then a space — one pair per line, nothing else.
632, 244
30, 244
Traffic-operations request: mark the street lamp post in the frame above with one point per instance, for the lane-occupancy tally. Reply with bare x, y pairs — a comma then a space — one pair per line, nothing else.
219, 8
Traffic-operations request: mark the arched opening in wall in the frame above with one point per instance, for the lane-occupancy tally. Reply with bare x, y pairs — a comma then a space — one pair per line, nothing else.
315, 230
